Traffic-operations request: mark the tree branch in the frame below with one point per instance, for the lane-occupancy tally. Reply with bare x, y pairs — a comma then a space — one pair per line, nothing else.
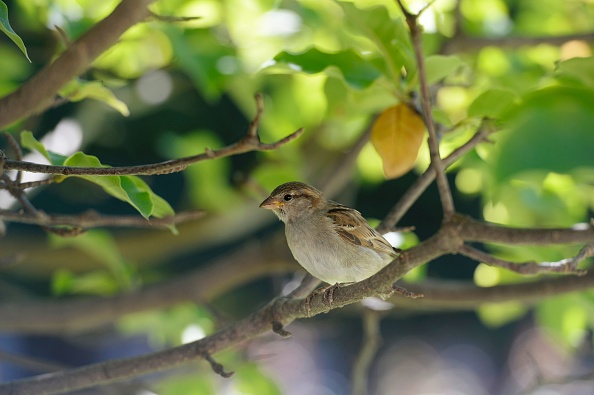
445, 193
463, 295
19, 194
284, 309
473, 230
565, 266
216, 367
93, 219
420, 185
250, 142
447, 240
38, 93
18, 152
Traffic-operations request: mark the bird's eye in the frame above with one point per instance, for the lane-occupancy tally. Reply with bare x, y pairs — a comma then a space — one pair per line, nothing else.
287, 197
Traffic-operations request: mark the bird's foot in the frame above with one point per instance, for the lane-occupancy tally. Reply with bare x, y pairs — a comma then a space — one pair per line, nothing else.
327, 292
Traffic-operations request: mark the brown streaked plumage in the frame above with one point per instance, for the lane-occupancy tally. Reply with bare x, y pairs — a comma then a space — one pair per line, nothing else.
331, 241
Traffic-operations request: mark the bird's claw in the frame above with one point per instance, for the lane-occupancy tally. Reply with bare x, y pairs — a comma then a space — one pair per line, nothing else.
327, 294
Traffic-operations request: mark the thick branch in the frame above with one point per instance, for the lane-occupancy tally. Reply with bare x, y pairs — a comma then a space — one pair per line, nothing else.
473, 230
257, 323
281, 311
38, 93
76, 315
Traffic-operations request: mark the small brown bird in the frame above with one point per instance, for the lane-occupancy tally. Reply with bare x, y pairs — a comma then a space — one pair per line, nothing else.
331, 241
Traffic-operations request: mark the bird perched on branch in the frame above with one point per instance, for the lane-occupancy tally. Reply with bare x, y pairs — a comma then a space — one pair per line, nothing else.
334, 243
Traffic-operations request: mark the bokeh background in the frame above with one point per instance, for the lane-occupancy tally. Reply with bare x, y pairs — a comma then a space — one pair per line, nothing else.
330, 67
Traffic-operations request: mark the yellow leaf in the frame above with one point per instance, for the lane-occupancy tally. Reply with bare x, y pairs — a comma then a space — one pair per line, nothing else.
396, 135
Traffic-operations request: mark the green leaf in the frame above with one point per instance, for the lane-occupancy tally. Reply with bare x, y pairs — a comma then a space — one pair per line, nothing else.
7, 29
390, 36
550, 131
130, 189
492, 103
30, 142
576, 72
77, 90
438, 67
356, 71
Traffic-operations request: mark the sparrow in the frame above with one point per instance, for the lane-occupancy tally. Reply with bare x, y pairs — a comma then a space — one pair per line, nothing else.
333, 242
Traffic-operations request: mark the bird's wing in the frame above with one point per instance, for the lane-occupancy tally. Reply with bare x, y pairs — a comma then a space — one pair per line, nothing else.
350, 225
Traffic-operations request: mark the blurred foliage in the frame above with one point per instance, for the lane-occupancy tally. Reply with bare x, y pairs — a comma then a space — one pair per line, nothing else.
330, 67
117, 276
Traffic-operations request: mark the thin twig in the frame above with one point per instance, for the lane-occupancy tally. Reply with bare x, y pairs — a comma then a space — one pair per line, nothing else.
34, 184
93, 219
443, 186
18, 153
450, 295
425, 7
406, 293
420, 185
40, 216
372, 340
565, 266
63, 36
250, 142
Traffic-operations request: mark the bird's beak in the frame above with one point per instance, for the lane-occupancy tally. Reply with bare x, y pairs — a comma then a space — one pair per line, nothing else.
271, 204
